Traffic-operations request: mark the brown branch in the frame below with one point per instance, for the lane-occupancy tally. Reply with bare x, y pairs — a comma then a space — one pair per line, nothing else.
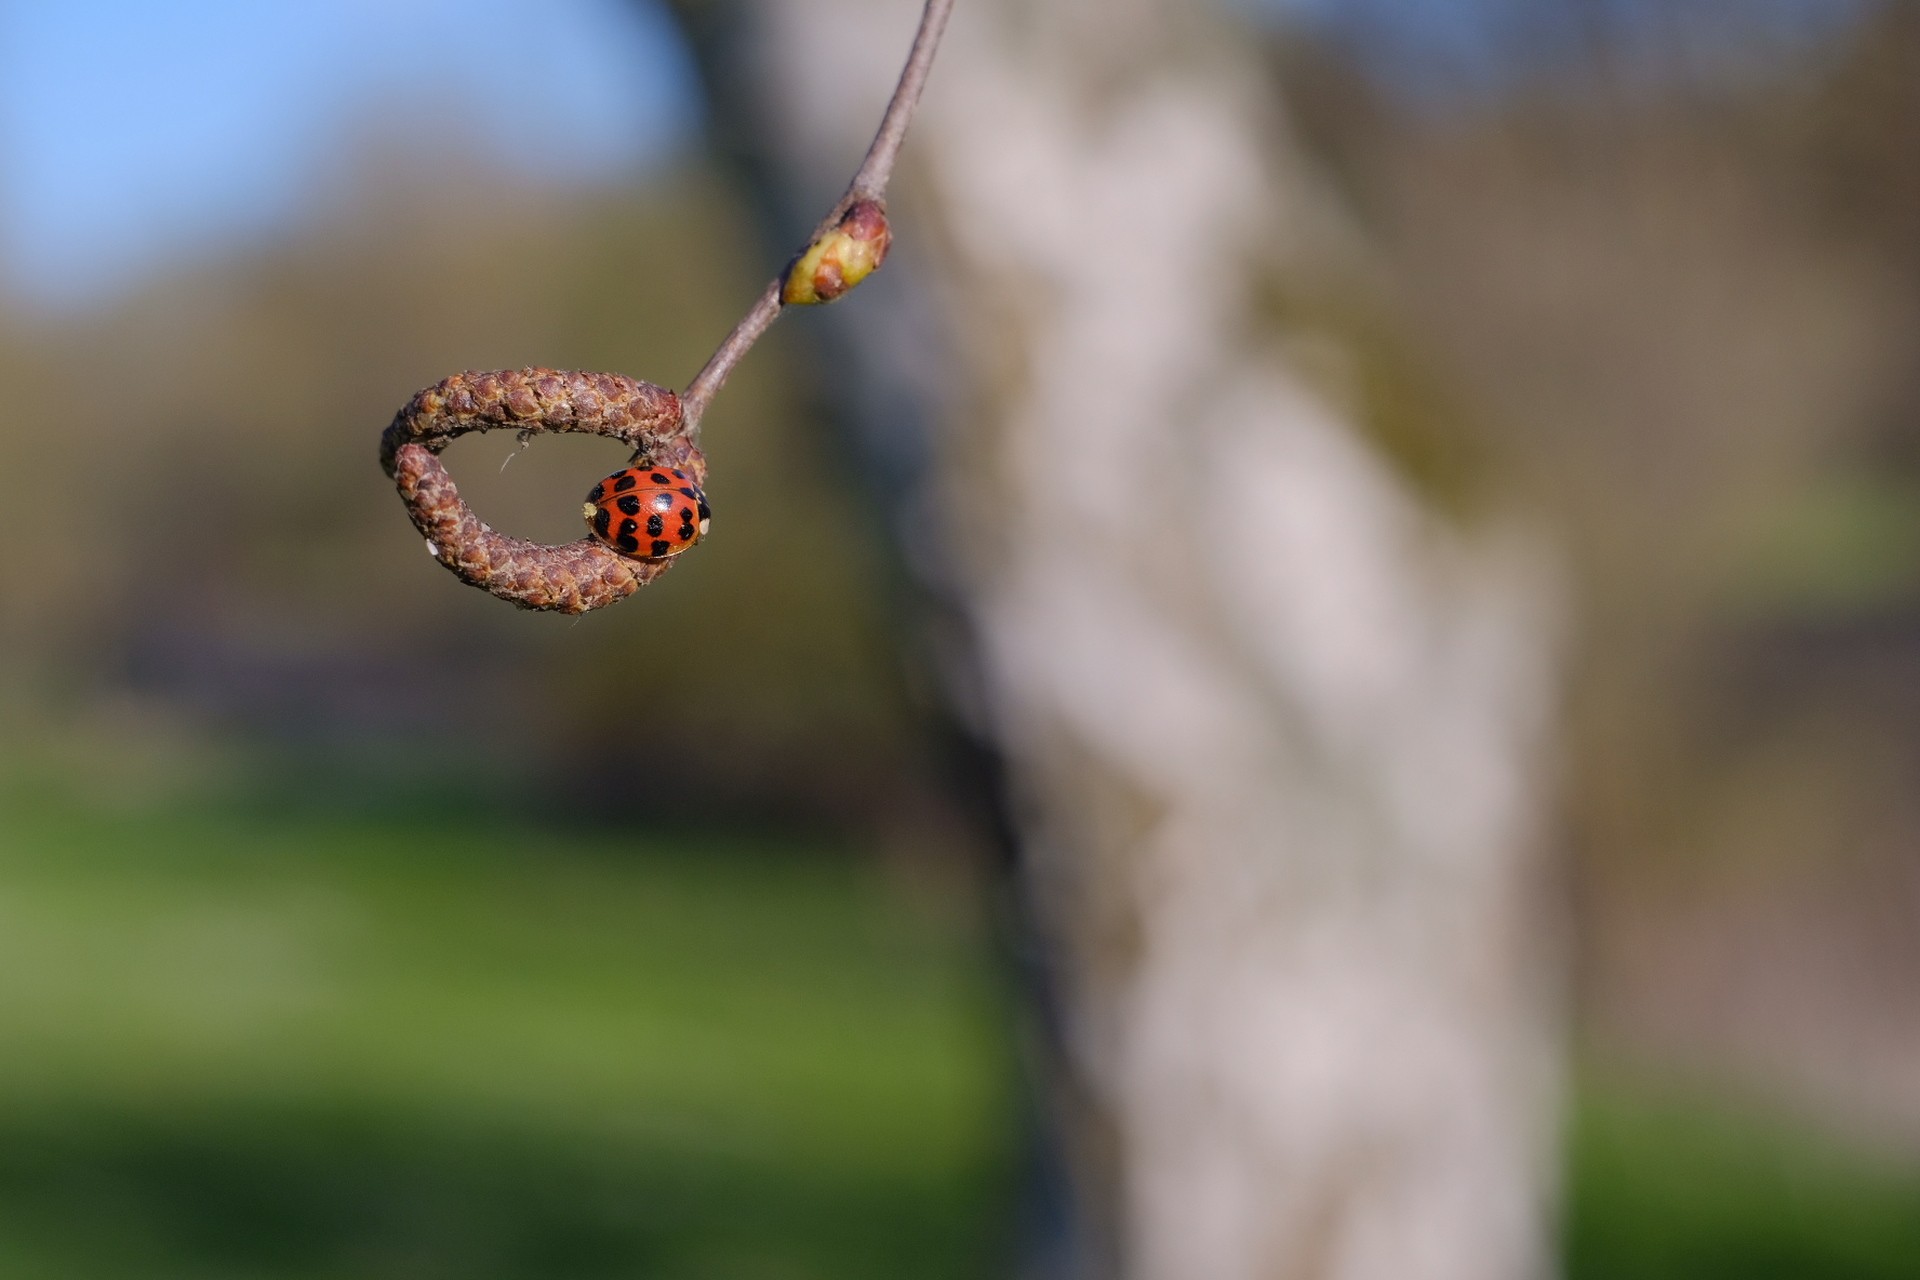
876, 171
572, 578
659, 425
869, 184
714, 374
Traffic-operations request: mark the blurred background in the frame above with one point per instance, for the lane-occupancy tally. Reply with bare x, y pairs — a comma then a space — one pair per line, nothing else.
354, 924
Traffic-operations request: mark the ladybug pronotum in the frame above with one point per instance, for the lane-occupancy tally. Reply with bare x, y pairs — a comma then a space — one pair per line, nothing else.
649, 513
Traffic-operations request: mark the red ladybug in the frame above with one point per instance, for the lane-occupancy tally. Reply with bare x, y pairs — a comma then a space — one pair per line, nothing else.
649, 513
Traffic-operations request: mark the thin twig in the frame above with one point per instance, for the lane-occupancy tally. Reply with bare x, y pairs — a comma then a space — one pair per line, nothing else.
700, 392
869, 183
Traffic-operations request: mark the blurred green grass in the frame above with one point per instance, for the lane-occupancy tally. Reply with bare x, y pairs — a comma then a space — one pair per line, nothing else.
311, 1048
1673, 1183
239, 1044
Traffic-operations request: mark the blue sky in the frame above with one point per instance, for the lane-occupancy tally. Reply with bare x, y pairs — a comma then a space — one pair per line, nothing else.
134, 132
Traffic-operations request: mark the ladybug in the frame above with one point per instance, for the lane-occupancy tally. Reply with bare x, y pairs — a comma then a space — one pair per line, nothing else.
649, 513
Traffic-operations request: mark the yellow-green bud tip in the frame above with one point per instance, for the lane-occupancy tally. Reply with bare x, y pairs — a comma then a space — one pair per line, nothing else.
842, 258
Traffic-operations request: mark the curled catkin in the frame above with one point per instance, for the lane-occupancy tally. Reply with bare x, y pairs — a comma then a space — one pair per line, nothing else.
572, 578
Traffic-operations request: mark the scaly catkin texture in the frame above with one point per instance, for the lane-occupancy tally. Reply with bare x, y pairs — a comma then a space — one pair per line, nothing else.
573, 578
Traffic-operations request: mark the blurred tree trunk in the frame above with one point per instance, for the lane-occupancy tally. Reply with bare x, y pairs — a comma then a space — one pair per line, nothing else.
1274, 729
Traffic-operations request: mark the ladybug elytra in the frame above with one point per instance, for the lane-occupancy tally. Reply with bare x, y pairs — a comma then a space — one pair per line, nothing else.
649, 513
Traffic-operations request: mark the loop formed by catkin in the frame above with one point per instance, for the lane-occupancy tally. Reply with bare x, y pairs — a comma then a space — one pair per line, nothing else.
572, 578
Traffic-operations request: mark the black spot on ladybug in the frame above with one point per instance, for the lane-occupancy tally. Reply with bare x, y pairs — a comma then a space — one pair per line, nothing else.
663, 502
679, 475
655, 523
686, 533
657, 478
686, 515
628, 528
661, 546
601, 520
690, 493
629, 504
599, 492
624, 483
627, 544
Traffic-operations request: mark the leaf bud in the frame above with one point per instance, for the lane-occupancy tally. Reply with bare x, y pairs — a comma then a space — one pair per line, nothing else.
841, 258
